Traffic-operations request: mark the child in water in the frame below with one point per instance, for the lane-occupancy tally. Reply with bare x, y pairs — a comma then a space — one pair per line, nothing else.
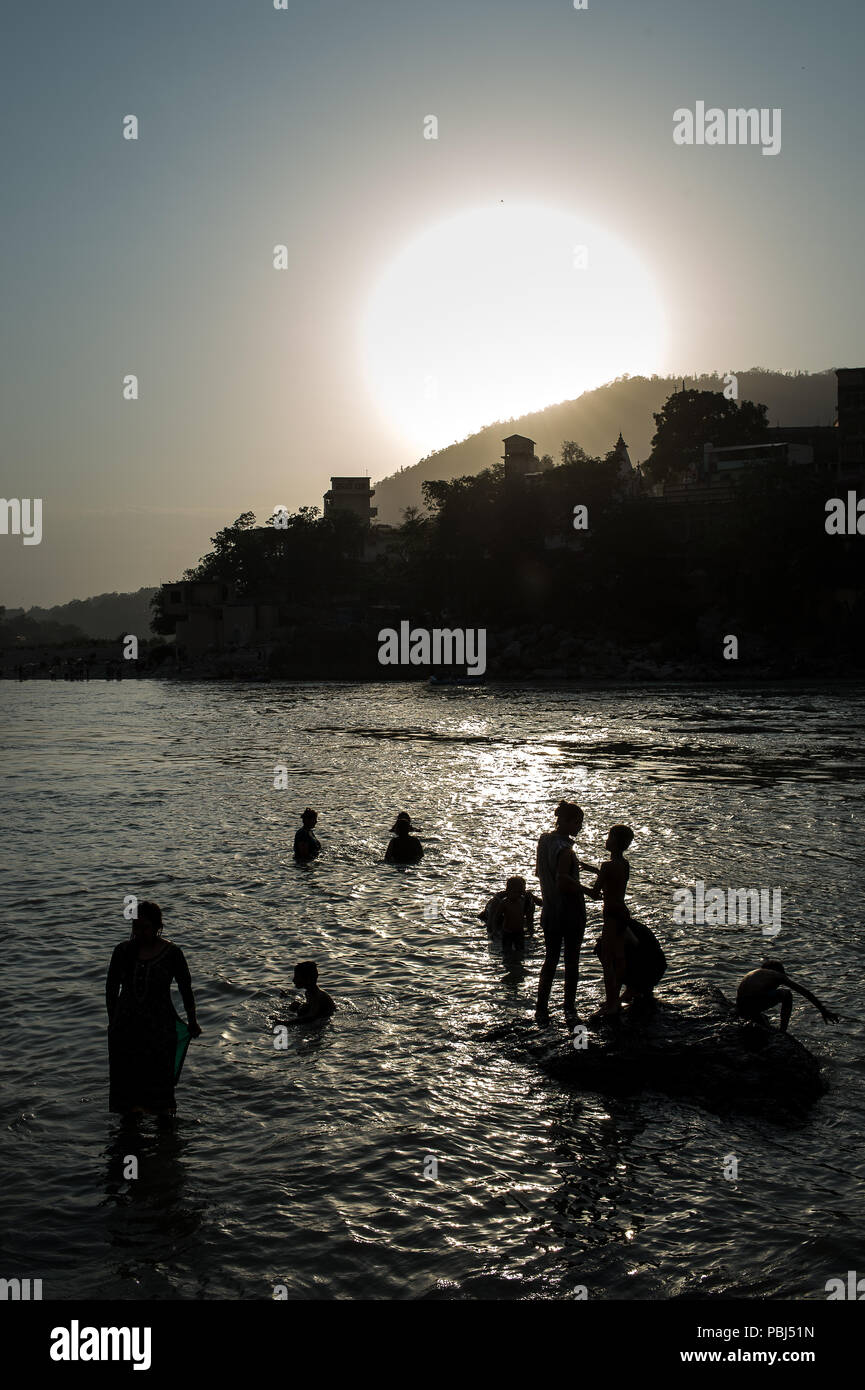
317, 1004
511, 912
770, 985
610, 885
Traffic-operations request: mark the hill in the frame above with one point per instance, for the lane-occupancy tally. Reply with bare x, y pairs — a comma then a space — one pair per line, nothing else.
105, 615
594, 420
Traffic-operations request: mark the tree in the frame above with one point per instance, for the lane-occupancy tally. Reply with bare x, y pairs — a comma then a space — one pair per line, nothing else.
689, 419
574, 453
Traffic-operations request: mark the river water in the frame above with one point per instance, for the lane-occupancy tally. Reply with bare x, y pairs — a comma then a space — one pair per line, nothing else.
310, 1167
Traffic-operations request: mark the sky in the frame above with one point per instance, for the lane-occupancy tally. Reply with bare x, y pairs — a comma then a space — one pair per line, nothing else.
305, 127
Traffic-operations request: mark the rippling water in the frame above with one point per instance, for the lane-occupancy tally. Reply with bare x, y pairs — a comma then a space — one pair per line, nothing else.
307, 1167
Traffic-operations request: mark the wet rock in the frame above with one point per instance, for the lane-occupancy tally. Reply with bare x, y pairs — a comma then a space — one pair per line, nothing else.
692, 1046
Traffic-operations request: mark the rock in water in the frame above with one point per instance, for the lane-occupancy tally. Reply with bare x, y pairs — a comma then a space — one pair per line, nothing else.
692, 1046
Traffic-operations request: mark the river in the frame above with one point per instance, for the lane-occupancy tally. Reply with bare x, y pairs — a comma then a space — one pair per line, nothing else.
309, 1167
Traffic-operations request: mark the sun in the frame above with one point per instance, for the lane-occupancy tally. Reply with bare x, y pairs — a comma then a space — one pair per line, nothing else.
502, 310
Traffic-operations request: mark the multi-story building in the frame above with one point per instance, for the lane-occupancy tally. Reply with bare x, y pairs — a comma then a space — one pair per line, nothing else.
818, 449
350, 495
209, 617
519, 457
851, 416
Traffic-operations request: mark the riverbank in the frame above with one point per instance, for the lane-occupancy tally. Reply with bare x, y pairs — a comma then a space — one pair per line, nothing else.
514, 654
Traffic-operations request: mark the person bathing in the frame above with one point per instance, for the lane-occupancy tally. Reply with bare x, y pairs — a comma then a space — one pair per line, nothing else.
629, 951
770, 985
404, 848
610, 886
563, 913
511, 913
306, 845
317, 1005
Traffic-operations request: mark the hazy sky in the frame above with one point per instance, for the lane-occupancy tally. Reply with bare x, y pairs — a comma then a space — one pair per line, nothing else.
306, 128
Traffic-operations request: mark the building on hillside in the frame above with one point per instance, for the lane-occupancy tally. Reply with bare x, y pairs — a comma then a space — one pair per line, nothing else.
620, 449
350, 495
629, 478
851, 416
209, 617
520, 459
821, 440
724, 464
822, 450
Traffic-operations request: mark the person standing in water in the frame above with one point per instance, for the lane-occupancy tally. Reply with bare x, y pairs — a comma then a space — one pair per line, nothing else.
142, 1021
563, 913
404, 848
628, 950
610, 885
306, 846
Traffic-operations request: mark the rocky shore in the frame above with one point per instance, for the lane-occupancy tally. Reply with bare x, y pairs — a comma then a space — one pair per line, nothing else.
335, 651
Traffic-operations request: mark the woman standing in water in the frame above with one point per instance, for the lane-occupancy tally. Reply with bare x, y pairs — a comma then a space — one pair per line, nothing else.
145, 1034
563, 914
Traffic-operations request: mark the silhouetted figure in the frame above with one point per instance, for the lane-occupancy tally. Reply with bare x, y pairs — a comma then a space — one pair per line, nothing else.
610, 885
146, 1037
306, 845
563, 914
645, 962
404, 848
317, 1004
770, 985
511, 913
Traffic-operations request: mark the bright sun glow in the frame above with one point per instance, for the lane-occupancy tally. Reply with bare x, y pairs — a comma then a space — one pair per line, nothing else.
504, 310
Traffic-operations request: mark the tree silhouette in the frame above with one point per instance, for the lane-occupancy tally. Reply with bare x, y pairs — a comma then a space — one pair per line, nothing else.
689, 419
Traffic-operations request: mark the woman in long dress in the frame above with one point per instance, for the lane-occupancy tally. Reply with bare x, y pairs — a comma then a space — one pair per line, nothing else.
145, 1033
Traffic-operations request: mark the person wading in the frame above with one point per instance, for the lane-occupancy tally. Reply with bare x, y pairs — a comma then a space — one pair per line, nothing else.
563, 915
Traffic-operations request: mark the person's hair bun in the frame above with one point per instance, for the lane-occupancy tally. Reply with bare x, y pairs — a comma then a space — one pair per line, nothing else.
150, 912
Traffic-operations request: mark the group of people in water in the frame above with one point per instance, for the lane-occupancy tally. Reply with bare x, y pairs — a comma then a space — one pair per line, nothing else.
404, 847
147, 1040
631, 956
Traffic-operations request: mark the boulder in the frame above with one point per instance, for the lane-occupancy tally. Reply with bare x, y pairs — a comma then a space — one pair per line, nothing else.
688, 1044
